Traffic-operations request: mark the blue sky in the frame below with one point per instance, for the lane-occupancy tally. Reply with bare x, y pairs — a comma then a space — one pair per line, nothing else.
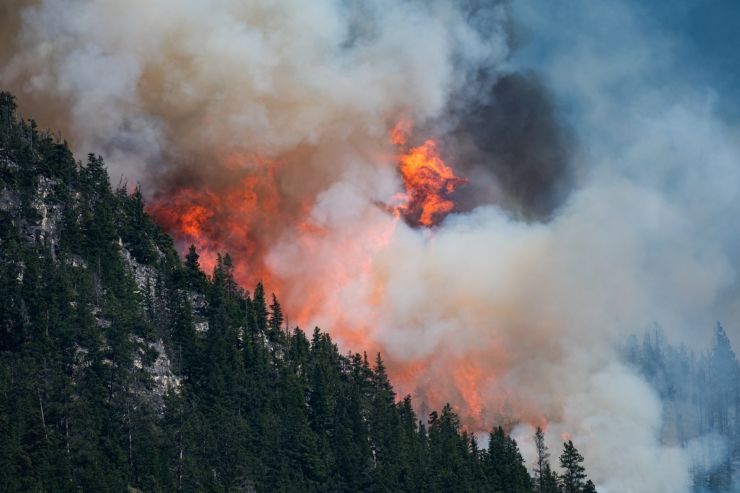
707, 34
693, 43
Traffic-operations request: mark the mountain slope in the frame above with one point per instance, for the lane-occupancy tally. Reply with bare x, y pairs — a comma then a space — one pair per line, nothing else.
122, 367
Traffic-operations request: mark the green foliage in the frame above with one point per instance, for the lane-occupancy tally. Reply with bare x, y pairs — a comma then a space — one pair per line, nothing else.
505, 464
574, 475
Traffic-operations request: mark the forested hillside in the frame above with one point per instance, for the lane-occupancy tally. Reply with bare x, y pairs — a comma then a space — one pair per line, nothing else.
124, 368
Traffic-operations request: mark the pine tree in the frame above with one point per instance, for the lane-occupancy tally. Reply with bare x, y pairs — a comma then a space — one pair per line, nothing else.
550, 481
518, 480
259, 308
383, 428
448, 451
196, 279
276, 316
543, 458
574, 475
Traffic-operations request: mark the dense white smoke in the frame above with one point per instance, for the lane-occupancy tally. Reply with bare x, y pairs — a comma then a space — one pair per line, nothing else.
145, 79
519, 320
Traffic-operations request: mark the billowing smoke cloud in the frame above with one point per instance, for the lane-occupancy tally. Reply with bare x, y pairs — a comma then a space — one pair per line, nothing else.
158, 81
512, 144
263, 129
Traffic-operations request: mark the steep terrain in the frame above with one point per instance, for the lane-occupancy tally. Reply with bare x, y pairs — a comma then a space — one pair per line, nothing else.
122, 367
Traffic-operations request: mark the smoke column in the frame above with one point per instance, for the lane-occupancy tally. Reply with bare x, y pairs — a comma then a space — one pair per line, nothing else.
265, 130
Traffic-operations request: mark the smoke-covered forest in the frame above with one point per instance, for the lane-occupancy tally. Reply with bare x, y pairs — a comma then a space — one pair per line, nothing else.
122, 367
701, 398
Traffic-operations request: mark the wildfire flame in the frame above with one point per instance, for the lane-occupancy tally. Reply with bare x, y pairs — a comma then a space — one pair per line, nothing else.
247, 211
428, 181
234, 219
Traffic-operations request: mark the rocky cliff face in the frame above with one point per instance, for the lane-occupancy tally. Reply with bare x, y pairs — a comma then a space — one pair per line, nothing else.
39, 206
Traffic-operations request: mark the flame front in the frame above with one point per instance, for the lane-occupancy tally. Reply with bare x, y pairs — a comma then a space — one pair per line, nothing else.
233, 219
246, 213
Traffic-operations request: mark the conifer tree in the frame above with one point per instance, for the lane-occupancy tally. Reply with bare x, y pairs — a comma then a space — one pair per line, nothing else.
550, 480
196, 279
259, 307
543, 458
574, 475
276, 315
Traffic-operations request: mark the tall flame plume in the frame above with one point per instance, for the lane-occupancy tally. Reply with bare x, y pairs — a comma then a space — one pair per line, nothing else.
428, 181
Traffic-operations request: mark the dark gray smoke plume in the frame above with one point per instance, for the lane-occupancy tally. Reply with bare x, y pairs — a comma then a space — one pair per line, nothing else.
516, 147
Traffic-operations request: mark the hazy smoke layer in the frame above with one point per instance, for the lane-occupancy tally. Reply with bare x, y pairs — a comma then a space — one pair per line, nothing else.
274, 119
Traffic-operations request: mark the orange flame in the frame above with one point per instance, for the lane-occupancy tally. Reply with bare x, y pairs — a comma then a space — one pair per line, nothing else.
427, 179
401, 131
231, 219
468, 378
242, 211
